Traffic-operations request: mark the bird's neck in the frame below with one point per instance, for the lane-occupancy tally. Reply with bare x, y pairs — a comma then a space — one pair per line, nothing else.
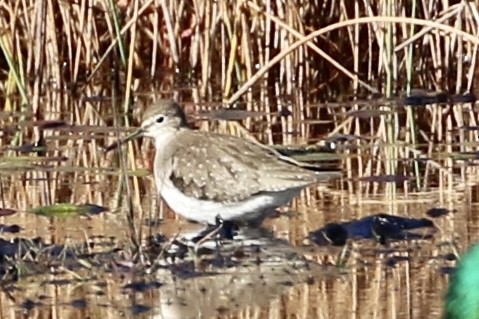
165, 138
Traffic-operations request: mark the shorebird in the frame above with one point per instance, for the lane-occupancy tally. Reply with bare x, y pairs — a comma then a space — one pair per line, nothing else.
205, 176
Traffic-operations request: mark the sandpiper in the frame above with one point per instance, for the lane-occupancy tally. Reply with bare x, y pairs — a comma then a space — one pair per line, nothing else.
204, 176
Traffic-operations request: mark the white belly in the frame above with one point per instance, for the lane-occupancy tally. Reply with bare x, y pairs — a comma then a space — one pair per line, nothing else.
203, 211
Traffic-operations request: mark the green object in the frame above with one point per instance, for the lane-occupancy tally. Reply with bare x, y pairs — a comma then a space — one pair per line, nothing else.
462, 298
67, 210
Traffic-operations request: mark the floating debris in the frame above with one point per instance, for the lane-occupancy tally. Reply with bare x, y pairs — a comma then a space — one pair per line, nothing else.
12, 229
368, 113
142, 286
79, 303
50, 124
385, 179
231, 114
67, 210
7, 212
39, 147
438, 212
139, 309
381, 227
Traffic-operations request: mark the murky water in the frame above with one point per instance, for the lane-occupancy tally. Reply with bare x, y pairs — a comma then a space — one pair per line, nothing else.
76, 74
288, 278
85, 266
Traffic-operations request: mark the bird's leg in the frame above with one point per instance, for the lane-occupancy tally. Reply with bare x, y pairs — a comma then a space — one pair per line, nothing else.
219, 224
227, 231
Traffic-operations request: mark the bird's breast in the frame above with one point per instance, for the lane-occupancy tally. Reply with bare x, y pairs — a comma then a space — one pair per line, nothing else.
165, 147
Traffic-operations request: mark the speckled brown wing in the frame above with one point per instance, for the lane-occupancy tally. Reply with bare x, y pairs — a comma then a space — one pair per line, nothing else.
227, 169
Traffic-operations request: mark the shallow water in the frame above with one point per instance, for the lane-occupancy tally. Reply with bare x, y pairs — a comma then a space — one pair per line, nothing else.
86, 266
401, 280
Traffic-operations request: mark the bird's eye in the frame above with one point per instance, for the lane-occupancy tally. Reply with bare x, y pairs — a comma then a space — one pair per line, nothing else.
160, 119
